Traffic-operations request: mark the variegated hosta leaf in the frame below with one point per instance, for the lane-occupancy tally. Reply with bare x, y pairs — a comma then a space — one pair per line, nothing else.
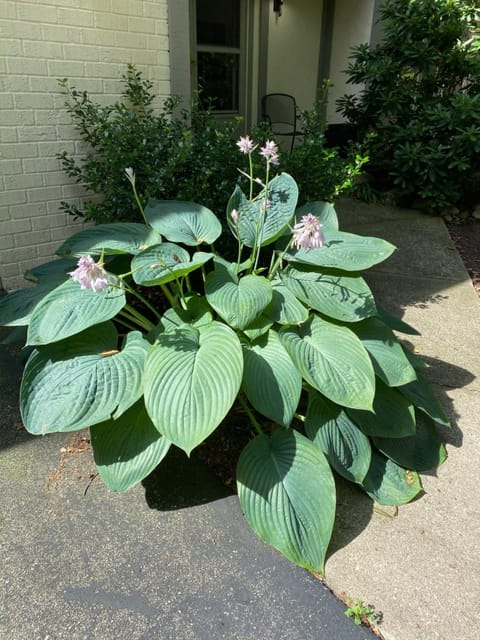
389, 484
342, 297
325, 211
345, 251
117, 237
164, 262
77, 382
346, 447
69, 309
186, 222
127, 449
391, 364
332, 360
286, 490
271, 381
192, 377
261, 221
237, 300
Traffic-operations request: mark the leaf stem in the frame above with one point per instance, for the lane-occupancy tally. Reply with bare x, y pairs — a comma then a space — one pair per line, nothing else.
250, 415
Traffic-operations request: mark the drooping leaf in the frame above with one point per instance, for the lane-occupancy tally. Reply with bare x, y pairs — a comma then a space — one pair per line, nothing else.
389, 484
393, 416
237, 300
248, 217
126, 450
332, 360
345, 251
423, 398
325, 211
164, 262
16, 307
77, 382
422, 451
258, 327
110, 238
57, 269
192, 377
287, 493
284, 307
271, 381
395, 323
342, 297
389, 360
346, 447
185, 222
69, 309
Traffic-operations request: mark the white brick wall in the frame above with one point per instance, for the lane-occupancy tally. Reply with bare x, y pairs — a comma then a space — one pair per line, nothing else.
90, 42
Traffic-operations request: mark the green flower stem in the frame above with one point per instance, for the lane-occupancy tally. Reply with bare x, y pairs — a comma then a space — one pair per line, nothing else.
132, 314
251, 174
143, 300
259, 238
250, 415
124, 323
139, 204
300, 417
168, 295
278, 261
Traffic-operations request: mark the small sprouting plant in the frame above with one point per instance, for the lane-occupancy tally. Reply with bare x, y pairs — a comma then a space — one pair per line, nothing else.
288, 332
360, 612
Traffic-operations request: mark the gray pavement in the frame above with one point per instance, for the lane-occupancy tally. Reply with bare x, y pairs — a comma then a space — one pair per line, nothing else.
171, 560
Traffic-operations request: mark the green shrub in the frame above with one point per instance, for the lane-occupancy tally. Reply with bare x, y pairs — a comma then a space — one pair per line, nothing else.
298, 348
421, 99
177, 153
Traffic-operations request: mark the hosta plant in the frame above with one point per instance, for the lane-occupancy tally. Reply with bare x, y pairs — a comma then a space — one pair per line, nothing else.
289, 333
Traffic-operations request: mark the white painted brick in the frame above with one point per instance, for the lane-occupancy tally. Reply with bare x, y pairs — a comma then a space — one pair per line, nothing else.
8, 134
131, 40
33, 101
44, 194
146, 57
14, 255
18, 118
98, 36
19, 226
97, 5
141, 25
36, 134
21, 30
75, 17
155, 10
80, 52
6, 242
47, 250
40, 49
6, 102
161, 28
47, 149
57, 178
12, 47
8, 167
114, 54
23, 181
20, 150
34, 66
12, 83
36, 165
111, 21
74, 191
104, 69
9, 9
39, 84
128, 7
17, 196
5, 214
61, 33
158, 43
51, 221
66, 69
36, 12
32, 238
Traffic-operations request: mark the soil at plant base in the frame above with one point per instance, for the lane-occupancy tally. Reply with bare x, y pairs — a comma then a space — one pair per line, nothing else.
466, 237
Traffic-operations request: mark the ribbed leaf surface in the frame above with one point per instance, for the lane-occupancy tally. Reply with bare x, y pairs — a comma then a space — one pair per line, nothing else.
284, 307
345, 298
345, 251
83, 380
192, 377
68, 310
389, 484
332, 360
346, 447
271, 381
185, 222
388, 357
117, 237
237, 300
422, 397
287, 493
17, 307
126, 450
325, 211
165, 262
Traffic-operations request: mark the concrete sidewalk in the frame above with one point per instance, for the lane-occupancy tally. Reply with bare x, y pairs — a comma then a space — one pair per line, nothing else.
168, 561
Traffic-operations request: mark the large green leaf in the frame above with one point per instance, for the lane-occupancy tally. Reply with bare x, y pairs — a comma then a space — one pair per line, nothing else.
237, 300
69, 309
345, 251
57, 269
265, 223
185, 222
393, 417
77, 382
116, 237
271, 381
423, 398
165, 262
126, 450
422, 451
389, 484
196, 314
258, 327
287, 493
332, 360
389, 360
346, 447
325, 211
192, 377
342, 297
16, 308
284, 307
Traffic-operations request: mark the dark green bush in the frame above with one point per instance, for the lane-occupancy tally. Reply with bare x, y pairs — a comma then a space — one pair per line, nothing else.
421, 99
181, 154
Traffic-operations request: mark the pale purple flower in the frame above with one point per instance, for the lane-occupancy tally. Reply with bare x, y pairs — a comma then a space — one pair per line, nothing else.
90, 274
130, 174
308, 234
270, 152
235, 216
246, 144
